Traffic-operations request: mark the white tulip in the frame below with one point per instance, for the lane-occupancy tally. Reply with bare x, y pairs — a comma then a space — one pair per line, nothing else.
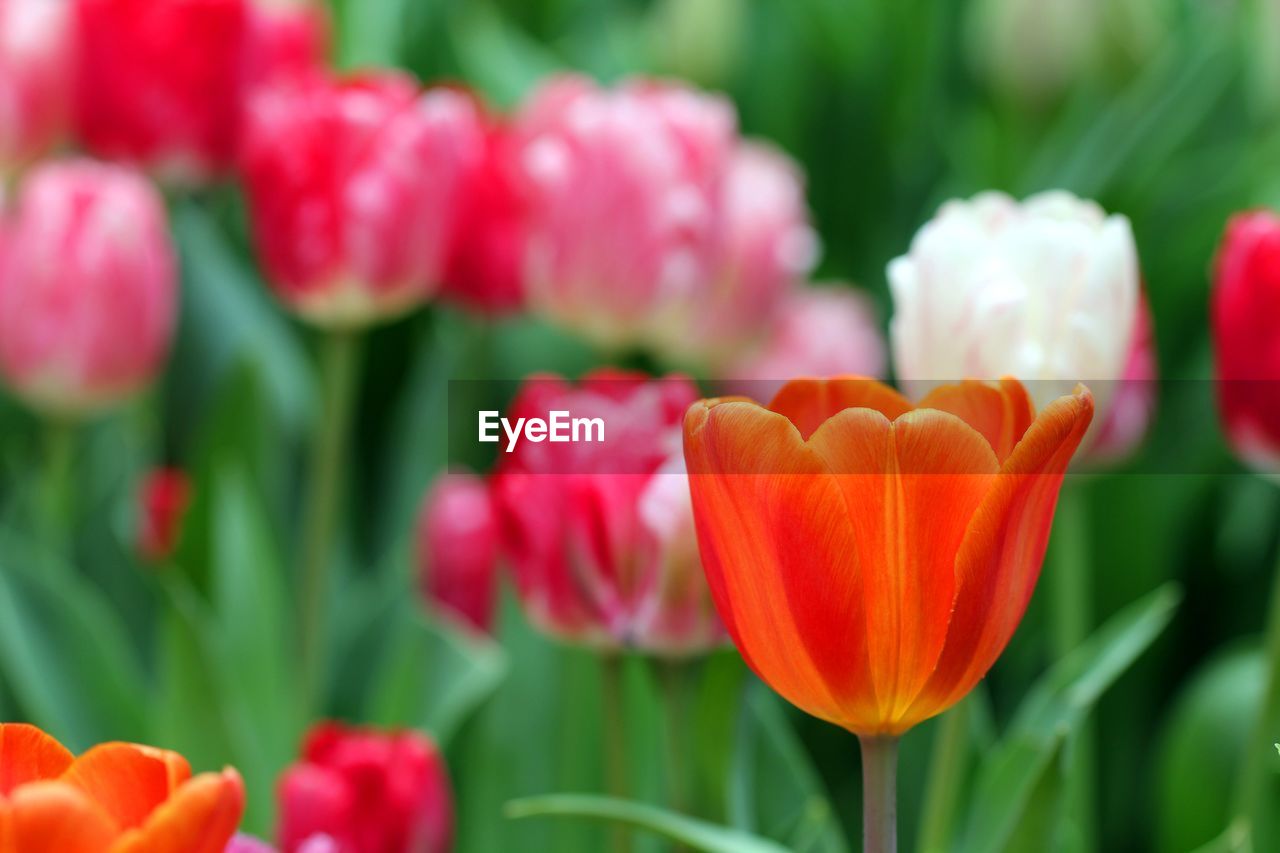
1046, 290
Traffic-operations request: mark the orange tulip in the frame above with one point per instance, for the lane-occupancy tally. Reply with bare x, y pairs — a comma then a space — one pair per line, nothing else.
871, 558
115, 798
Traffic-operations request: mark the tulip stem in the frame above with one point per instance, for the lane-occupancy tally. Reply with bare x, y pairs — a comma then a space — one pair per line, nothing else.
1259, 747
946, 779
340, 358
879, 794
1071, 618
673, 677
616, 770
60, 454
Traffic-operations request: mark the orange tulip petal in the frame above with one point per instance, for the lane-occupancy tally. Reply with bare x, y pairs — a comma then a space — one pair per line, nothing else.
201, 817
51, 817
127, 780
1001, 413
770, 520
28, 755
909, 490
808, 403
999, 562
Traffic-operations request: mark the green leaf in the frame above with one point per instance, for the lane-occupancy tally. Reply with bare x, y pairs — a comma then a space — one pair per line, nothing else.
774, 788
696, 834
64, 652
435, 676
1055, 708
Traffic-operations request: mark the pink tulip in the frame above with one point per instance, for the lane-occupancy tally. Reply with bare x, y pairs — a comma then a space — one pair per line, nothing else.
1134, 401
600, 534
458, 549
650, 222
88, 288
359, 790
248, 844
162, 506
37, 72
354, 191
818, 332
160, 83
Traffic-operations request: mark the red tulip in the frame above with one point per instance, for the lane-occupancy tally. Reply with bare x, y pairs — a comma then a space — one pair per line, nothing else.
485, 266
366, 791
354, 189
1246, 302
115, 798
458, 549
600, 534
160, 83
870, 558
37, 71
88, 289
288, 40
162, 504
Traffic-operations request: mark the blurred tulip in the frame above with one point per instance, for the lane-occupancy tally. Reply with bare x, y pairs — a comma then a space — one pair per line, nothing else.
115, 798
1246, 303
1034, 49
650, 222
872, 558
1046, 290
37, 71
485, 266
288, 39
354, 192
248, 844
458, 549
366, 791
160, 83
88, 290
822, 331
162, 505
600, 534
698, 40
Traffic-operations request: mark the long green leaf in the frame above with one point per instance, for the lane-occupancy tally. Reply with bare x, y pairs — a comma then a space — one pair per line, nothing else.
696, 834
1055, 707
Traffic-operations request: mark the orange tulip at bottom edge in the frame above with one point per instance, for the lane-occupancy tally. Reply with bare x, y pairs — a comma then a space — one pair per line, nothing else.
115, 798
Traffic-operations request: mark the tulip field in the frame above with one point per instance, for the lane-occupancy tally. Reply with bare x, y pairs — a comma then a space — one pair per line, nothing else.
571, 426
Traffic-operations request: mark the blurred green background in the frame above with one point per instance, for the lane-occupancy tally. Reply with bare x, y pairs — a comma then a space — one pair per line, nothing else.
1164, 110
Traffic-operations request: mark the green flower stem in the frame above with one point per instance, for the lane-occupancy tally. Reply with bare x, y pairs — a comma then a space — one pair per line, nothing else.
1072, 619
1259, 747
879, 794
339, 369
56, 497
617, 772
947, 764
675, 679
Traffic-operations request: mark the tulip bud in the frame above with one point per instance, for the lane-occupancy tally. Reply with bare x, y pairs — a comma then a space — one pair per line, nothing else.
288, 39
160, 83
1246, 301
162, 506
1046, 290
458, 549
366, 791
485, 266
601, 534
353, 189
819, 332
36, 77
642, 204
88, 289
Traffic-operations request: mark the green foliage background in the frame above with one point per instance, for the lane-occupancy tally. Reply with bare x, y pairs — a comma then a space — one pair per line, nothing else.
1173, 124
